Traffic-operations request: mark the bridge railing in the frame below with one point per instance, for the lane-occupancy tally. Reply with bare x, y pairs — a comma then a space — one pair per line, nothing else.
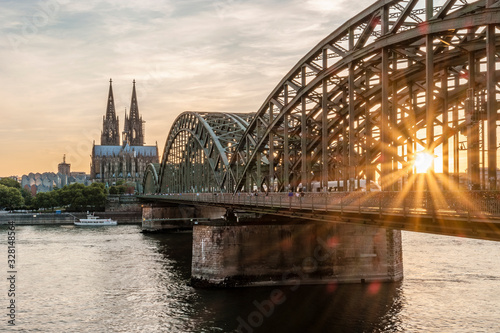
468, 204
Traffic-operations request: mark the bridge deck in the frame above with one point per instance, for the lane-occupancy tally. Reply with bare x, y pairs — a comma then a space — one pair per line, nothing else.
472, 215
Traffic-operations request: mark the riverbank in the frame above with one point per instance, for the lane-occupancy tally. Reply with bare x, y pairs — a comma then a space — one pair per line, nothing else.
66, 218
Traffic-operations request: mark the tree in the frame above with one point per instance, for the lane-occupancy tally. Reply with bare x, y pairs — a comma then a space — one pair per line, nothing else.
118, 189
78, 197
9, 182
95, 195
45, 200
10, 197
28, 198
72, 196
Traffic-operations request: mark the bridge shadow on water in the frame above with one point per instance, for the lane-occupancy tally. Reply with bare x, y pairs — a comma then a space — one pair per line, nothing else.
370, 307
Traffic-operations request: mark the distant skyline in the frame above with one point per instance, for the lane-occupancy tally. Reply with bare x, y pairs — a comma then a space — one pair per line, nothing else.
58, 56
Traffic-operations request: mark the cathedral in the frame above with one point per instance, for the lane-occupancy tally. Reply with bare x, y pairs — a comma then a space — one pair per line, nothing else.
112, 162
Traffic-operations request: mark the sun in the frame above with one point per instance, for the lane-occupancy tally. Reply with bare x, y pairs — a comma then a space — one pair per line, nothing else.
423, 161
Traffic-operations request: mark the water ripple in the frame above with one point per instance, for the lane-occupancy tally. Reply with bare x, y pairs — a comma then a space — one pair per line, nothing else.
119, 280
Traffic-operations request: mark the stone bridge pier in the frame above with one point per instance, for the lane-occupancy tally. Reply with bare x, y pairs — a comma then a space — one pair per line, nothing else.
293, 254
272, 250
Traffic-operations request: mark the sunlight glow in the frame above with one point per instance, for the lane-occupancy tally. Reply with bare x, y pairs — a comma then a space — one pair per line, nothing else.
423, 161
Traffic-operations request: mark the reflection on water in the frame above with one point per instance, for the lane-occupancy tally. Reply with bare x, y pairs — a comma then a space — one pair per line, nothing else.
300, 308
116, 279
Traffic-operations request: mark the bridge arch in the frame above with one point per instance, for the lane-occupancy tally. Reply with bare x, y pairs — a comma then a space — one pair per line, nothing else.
399, 77
150, 180
198, 149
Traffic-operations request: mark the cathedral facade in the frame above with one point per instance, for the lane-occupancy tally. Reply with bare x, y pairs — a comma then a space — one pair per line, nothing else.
112, 161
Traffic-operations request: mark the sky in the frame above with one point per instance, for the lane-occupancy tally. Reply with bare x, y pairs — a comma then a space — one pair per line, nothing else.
57, 56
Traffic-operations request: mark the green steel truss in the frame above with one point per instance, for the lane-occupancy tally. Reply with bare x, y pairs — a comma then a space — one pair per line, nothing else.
399, 77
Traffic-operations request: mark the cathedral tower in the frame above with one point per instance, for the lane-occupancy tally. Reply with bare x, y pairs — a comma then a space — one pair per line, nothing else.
110, 135
112, 162
133, 132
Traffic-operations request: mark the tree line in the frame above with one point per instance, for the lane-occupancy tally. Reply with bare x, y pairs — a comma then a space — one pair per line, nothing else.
74, 197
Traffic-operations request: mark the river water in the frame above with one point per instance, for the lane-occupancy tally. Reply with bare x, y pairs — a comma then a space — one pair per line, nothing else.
116, 279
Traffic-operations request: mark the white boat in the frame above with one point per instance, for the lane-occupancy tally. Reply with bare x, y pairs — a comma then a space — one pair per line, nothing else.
93, 220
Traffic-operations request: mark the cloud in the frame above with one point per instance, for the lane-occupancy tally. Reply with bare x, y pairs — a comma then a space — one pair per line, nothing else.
58, 56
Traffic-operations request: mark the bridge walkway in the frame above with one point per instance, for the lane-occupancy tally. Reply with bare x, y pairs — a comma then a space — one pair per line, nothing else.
474, 214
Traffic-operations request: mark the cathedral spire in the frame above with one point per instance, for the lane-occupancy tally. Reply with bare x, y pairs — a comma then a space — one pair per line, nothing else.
134, 108
110, 132
133, 129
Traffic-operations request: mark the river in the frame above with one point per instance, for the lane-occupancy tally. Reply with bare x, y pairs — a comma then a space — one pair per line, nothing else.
116, 279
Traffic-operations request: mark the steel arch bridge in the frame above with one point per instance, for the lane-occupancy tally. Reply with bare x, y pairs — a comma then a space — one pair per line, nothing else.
401, 77
197, 152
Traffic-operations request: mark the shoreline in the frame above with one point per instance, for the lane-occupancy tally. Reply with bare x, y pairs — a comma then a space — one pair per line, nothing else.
66, 218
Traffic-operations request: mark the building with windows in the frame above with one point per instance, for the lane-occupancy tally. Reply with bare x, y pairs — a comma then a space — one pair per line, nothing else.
48, 181
112, 162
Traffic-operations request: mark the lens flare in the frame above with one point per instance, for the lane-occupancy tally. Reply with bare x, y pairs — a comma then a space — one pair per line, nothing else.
423, 161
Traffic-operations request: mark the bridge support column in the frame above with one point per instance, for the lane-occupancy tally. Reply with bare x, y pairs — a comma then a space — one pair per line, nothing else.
251, 255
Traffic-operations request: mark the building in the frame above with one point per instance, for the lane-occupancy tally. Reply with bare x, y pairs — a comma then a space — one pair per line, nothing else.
64, 168
48, 181
112, 162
